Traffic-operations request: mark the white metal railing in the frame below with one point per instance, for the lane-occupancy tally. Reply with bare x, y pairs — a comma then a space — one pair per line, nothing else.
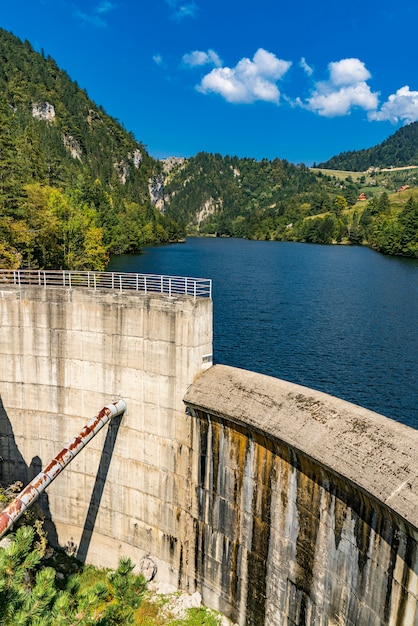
123, 281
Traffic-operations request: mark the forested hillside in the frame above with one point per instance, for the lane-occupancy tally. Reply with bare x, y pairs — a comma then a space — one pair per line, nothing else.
400, 149
74, 184
245, 197
228, 196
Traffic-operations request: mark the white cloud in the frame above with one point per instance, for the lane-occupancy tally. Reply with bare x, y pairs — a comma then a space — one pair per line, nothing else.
199, 57
95, 18
105, 6
345, 89
249, 80
334, 103
158, 60
348, 72
401, 106
306, 68
186, 10
256, 79
182, 9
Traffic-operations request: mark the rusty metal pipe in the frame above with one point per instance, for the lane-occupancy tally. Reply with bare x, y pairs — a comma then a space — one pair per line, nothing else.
33, 490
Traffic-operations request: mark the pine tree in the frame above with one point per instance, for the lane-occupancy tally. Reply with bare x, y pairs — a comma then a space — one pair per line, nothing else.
30, 596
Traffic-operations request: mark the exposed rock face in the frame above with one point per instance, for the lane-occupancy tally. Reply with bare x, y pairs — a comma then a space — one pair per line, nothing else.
123, 167
156, 184
137, 157
206, 210
156, 192
171, 163
73, 146
93, 117
43, 111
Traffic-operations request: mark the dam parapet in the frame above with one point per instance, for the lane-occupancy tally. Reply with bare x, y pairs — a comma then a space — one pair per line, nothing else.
121, 281
310, 503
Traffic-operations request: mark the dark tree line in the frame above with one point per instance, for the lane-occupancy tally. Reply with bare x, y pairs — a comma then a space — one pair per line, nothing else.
400, 149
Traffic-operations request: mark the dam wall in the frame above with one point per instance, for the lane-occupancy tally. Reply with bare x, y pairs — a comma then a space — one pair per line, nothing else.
64, 354
280, 504
307, 505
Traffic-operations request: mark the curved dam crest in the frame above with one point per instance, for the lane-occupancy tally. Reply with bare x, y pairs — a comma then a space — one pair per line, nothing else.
280, 504
313, 500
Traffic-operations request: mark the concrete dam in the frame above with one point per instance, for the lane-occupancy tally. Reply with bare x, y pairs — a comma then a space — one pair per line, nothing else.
281, 505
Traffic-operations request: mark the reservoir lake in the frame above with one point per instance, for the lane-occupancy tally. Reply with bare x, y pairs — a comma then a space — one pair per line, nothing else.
340, 319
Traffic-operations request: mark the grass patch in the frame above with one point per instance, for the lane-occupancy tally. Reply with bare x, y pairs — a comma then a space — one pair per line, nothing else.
400, 199
341, 174
373, 190
160, 610
197, 617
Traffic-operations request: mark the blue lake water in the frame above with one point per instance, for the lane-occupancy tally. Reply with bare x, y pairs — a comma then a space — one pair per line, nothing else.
340, 319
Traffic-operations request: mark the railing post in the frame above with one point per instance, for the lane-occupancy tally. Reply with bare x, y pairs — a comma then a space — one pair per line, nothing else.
137, 282
162, 284
169, 287
120, 282
69, 279
94, 281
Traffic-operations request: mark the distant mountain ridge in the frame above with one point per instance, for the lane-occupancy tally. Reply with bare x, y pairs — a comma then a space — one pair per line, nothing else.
398, 150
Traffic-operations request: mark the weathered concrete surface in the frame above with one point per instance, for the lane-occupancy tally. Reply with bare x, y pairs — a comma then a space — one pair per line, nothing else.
372, 451
65, 353
307, 508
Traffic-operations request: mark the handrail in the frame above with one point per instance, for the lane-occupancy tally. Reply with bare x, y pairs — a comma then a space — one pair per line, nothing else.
122, 281
34, 489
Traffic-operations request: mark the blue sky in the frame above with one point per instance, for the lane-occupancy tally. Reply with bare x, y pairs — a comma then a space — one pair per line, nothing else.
301, 80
